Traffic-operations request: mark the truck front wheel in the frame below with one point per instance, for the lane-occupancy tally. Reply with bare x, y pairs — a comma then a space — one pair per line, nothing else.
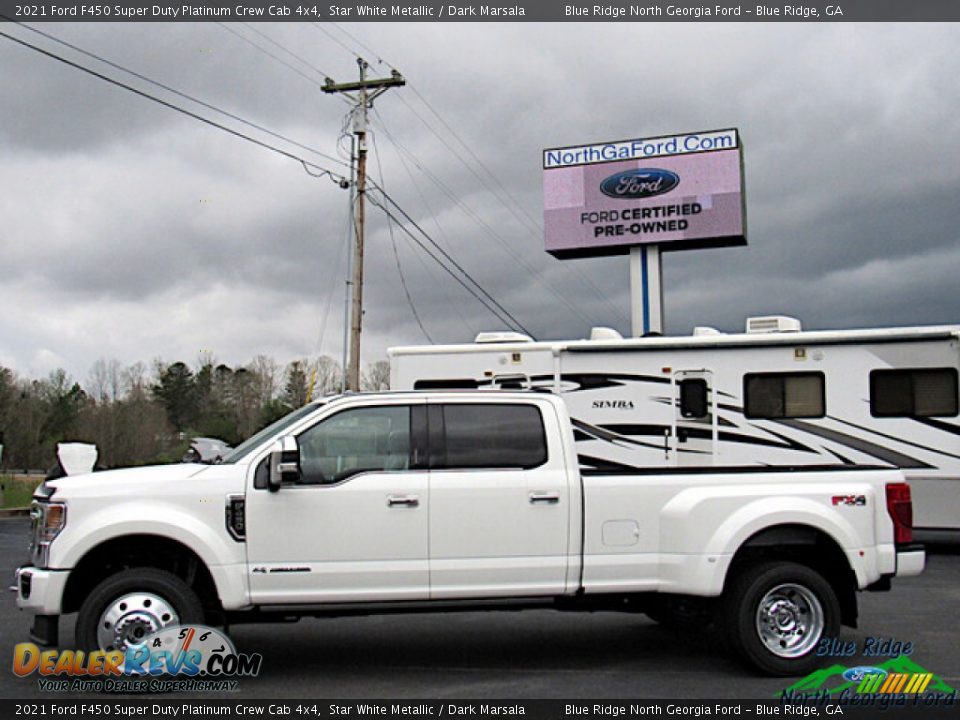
776, 613
128, 606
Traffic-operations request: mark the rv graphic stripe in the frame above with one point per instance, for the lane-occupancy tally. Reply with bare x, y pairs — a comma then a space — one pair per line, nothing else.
898, 439
939, 425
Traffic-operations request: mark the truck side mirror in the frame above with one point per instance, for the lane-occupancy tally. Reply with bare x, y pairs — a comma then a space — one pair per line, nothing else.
284, 462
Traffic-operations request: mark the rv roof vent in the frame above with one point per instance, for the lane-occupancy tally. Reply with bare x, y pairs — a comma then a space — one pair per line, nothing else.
604, 333
702, 330
502, 337
772, 324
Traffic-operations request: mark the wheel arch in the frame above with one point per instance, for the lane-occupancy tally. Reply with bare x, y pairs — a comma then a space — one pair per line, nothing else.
140, 550
807, 545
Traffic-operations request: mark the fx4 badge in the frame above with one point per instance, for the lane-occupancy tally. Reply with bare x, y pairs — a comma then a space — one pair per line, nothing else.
849, 500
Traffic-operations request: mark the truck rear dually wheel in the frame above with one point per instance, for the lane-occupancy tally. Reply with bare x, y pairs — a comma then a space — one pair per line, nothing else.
776, 613
126, 607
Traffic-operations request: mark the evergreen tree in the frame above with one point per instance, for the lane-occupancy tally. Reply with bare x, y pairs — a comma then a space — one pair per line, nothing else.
176, 389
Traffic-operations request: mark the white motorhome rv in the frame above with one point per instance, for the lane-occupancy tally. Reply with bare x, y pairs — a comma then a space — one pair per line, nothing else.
774, 395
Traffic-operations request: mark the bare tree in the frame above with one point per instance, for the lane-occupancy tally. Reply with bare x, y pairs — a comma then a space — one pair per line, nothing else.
266, 378
377, 377
325, 376
134, 381
104, 383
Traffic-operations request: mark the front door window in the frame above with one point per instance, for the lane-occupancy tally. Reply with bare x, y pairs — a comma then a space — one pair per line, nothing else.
370, 439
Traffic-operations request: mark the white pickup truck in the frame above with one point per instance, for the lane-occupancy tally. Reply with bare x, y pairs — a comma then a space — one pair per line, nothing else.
398, 502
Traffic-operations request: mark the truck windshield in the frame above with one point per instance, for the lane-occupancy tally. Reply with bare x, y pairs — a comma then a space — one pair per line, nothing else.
244, 448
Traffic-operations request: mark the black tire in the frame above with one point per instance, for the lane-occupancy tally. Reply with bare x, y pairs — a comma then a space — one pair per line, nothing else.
806, 608
161, 584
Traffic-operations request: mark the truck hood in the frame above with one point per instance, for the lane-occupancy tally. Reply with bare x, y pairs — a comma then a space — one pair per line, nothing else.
143, 478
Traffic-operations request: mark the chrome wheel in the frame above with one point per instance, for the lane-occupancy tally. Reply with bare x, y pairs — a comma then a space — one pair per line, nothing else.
129, 619
790, 620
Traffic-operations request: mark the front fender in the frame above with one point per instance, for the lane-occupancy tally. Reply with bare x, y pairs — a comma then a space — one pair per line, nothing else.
204, 533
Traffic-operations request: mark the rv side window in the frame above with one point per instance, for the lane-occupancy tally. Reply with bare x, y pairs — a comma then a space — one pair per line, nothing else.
784, 395
493, 436
449, 384
693, 398
928, 392
513, 381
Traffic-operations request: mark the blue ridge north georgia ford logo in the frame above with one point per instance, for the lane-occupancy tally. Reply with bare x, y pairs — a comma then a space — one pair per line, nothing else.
639, 183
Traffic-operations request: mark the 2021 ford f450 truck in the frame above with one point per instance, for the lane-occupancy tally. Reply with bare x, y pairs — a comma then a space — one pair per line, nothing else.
398, 502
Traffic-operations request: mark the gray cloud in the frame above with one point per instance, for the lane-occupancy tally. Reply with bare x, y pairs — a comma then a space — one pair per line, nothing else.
131, 231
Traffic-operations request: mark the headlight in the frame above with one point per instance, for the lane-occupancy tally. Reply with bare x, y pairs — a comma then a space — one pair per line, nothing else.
54, 519
48, 519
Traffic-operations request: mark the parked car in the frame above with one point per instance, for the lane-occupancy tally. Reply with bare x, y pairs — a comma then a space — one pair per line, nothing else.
206, 450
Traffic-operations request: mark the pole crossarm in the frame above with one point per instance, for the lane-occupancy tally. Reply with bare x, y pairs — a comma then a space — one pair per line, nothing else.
396, 80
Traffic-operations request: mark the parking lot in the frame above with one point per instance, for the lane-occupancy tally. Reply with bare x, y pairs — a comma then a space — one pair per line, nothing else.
530, 654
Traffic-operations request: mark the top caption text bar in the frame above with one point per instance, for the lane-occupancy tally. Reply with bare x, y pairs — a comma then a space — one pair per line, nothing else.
468, 11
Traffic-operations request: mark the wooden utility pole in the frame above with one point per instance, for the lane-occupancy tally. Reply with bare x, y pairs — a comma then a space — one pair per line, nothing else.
363, 93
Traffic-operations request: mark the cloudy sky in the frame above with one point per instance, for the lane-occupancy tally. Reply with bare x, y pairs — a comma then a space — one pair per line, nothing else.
130, 231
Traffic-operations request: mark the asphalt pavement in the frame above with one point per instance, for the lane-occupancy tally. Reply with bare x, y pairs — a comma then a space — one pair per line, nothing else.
526, 655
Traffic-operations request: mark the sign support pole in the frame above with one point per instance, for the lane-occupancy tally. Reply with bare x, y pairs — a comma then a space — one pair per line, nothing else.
646, 290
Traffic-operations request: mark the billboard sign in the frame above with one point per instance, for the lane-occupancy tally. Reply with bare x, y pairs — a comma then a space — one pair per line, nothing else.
677, 192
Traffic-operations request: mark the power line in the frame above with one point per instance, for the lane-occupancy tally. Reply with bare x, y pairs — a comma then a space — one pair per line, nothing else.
189, 113
492, 307
269, 54
396, 255
486, 228
432, 215
339, 42
523, 217
331, 284
449, 258
179, 93
370, 50
282, 47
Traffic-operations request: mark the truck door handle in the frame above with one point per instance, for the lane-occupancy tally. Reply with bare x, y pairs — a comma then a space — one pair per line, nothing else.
544, 498
403, 501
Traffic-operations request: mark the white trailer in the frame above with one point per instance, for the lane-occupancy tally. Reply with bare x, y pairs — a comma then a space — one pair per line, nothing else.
774, 395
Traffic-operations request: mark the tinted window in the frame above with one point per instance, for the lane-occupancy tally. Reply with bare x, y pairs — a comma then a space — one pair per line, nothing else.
449, 384
913, 393
511, 382
693, 398
355, 441
493, 436
784, 395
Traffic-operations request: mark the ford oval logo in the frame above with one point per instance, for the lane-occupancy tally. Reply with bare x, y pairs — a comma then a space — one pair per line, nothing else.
639, 183
856, 674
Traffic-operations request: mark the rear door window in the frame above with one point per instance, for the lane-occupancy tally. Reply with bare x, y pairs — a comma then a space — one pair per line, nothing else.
492, 436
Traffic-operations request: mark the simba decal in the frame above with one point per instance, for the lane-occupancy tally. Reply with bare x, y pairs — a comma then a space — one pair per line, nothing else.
613, 404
